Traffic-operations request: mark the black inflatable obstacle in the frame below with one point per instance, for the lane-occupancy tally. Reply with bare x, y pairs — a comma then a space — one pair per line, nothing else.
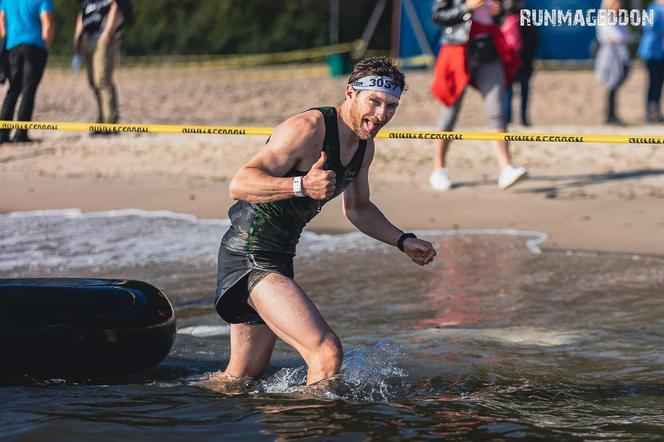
82, 328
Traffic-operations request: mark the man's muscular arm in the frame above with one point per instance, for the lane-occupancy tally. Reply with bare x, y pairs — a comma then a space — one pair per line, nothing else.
297, 141
368, 218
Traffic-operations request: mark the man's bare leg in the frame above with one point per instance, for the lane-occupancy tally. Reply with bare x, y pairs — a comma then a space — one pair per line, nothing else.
291, 315
251, 349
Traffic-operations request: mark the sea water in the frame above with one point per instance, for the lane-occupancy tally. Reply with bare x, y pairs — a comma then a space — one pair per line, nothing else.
498, 338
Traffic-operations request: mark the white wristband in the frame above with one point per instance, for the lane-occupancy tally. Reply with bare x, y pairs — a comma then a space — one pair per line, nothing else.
297, 186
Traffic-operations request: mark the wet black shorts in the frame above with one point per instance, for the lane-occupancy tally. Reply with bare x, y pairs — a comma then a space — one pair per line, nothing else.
237, 275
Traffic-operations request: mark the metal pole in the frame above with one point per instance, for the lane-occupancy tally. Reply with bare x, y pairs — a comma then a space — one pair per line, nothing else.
371, 27
396, 28
334, 22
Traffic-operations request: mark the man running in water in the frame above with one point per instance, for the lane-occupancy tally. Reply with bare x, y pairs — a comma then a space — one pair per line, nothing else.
310, 158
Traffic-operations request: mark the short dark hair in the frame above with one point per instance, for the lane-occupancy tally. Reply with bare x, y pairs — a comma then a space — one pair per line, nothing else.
382, 66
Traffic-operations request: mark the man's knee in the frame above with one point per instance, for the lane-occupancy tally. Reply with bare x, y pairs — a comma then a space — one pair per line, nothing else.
29, 89
102, 74
13, 93
103, 81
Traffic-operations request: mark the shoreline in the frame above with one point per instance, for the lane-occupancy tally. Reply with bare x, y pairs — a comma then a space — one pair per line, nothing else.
606, 225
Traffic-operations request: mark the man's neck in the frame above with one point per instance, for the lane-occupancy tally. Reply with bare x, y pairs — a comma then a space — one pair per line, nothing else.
347, 137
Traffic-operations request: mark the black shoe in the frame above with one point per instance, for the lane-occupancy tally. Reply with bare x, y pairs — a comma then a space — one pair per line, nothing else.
21, 137
655, 118
614, 121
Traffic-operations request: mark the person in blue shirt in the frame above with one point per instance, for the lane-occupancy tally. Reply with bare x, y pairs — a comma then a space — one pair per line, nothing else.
28, 27
651, 50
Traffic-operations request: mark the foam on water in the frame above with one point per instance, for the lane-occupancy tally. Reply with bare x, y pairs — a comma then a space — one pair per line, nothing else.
53, 240
533, 336
205, 331
69, 239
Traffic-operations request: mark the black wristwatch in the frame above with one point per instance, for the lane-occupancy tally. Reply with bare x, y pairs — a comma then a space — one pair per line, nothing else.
404, 237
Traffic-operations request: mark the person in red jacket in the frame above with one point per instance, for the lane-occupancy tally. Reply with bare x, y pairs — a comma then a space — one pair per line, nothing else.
473, 52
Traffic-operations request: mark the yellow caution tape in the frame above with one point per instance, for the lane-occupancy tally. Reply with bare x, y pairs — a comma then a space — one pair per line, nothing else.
136, 128
277, 74
389, 134
515, 136
243, 60
417, 61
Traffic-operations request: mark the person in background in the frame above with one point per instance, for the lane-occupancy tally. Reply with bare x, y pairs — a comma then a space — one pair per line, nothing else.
523, 41
98, 36
651, 50
613, 59
28, 27
473, 51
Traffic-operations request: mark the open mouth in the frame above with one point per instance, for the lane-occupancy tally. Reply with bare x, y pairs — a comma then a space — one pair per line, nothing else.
371, 126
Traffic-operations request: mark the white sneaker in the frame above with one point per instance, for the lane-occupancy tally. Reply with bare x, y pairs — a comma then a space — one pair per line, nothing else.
511, 175
440, 180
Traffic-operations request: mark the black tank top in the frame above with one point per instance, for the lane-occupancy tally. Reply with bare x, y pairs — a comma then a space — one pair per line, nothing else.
276, 226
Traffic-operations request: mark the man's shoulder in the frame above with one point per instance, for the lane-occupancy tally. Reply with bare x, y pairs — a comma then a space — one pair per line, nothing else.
5, 4
39, 5
300, 133
97, 4
311, 118
309, 124
44, 5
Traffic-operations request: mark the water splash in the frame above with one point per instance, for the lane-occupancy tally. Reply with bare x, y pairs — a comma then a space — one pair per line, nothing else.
286, 380
367, 374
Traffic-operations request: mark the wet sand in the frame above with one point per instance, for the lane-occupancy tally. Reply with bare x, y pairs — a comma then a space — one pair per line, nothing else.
584, 196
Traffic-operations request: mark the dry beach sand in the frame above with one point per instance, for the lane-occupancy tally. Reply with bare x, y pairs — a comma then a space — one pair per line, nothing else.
584, 196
